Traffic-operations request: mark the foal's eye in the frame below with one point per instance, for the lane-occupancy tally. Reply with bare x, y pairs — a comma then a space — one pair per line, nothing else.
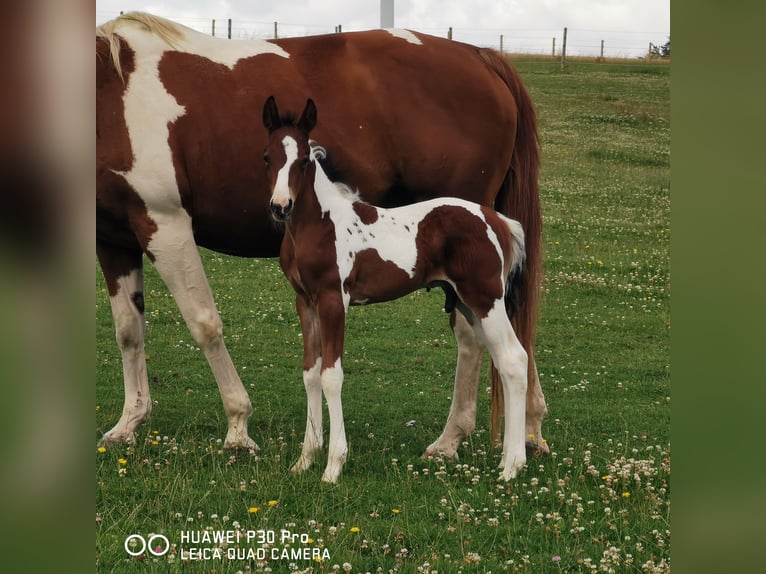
266, 159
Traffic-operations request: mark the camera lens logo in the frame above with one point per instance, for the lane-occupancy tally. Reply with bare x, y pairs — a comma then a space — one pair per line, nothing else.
143, 544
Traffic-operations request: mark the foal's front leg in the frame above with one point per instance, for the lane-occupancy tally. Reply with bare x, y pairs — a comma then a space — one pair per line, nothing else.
332, 320
312, 366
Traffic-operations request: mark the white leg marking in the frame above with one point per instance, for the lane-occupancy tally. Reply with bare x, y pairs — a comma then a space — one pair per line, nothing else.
178, 261
510, 359
129, 328
462, 415
332, 384
313, 439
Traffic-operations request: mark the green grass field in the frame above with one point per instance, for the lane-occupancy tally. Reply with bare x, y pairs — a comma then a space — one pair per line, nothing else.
599, 503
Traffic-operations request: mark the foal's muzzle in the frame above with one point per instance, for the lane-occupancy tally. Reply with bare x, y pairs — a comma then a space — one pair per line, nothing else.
280, 212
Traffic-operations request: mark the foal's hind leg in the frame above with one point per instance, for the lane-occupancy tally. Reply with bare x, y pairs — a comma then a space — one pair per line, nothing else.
511, 361
123, 272
178, 262
462, 415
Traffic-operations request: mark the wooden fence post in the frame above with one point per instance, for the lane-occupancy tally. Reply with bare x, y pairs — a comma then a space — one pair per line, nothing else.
501, 43
564, 50
602, 49
229, 28
276, 33
213, 26
449, 33
553, 53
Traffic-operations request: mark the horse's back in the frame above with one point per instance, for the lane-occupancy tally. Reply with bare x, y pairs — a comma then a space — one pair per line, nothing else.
406, 116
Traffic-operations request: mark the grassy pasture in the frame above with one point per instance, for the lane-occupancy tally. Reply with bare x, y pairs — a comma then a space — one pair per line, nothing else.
599, 503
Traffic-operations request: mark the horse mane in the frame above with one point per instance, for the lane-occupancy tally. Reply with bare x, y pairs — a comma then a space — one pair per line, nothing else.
170, 32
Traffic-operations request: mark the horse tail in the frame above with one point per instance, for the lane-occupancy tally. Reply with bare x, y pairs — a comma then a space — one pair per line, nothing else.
519, 198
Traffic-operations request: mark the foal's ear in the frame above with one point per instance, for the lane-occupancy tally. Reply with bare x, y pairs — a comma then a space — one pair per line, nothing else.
270, 114
308, 117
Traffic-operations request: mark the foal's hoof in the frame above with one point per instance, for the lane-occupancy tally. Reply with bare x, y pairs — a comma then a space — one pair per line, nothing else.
511, 472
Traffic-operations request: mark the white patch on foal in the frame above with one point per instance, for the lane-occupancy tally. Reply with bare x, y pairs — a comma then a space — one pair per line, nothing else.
353, 236
281, 193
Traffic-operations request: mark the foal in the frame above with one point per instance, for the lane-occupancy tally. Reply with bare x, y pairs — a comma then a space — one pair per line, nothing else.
339, 251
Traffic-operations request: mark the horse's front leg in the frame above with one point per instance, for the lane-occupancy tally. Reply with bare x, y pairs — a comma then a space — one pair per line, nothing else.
178, 262
332, 320
124, 275
312, 366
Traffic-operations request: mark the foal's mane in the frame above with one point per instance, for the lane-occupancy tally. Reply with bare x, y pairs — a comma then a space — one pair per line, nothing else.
319, 154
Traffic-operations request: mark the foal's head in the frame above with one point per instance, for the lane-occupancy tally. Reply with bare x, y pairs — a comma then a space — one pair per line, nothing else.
288, 155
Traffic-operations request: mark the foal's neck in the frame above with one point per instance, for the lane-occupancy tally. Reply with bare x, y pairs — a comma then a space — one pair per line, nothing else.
331, 196
318, 202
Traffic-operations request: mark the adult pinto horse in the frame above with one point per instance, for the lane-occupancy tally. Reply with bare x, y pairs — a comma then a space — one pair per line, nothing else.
177, 113
340, 251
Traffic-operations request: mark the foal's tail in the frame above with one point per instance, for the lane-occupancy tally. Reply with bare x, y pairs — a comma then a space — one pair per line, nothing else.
515, 279
519, 198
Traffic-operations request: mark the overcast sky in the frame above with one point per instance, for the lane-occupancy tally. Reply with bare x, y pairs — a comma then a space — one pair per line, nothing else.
527, 26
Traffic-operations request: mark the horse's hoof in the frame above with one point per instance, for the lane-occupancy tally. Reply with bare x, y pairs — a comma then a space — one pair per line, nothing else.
435, 449
241, 444
537, 449
114, 439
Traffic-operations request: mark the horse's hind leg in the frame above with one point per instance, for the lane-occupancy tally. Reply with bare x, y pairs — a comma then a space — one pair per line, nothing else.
178, 262
124, 276
536, 412
462, 415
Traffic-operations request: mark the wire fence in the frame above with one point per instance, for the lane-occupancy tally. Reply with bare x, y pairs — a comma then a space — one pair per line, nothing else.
543, 41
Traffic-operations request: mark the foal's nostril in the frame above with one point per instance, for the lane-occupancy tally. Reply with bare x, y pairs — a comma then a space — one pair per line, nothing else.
276, 211
280, 212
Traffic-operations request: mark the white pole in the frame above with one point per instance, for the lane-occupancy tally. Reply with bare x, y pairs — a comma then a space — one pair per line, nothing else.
386, 13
